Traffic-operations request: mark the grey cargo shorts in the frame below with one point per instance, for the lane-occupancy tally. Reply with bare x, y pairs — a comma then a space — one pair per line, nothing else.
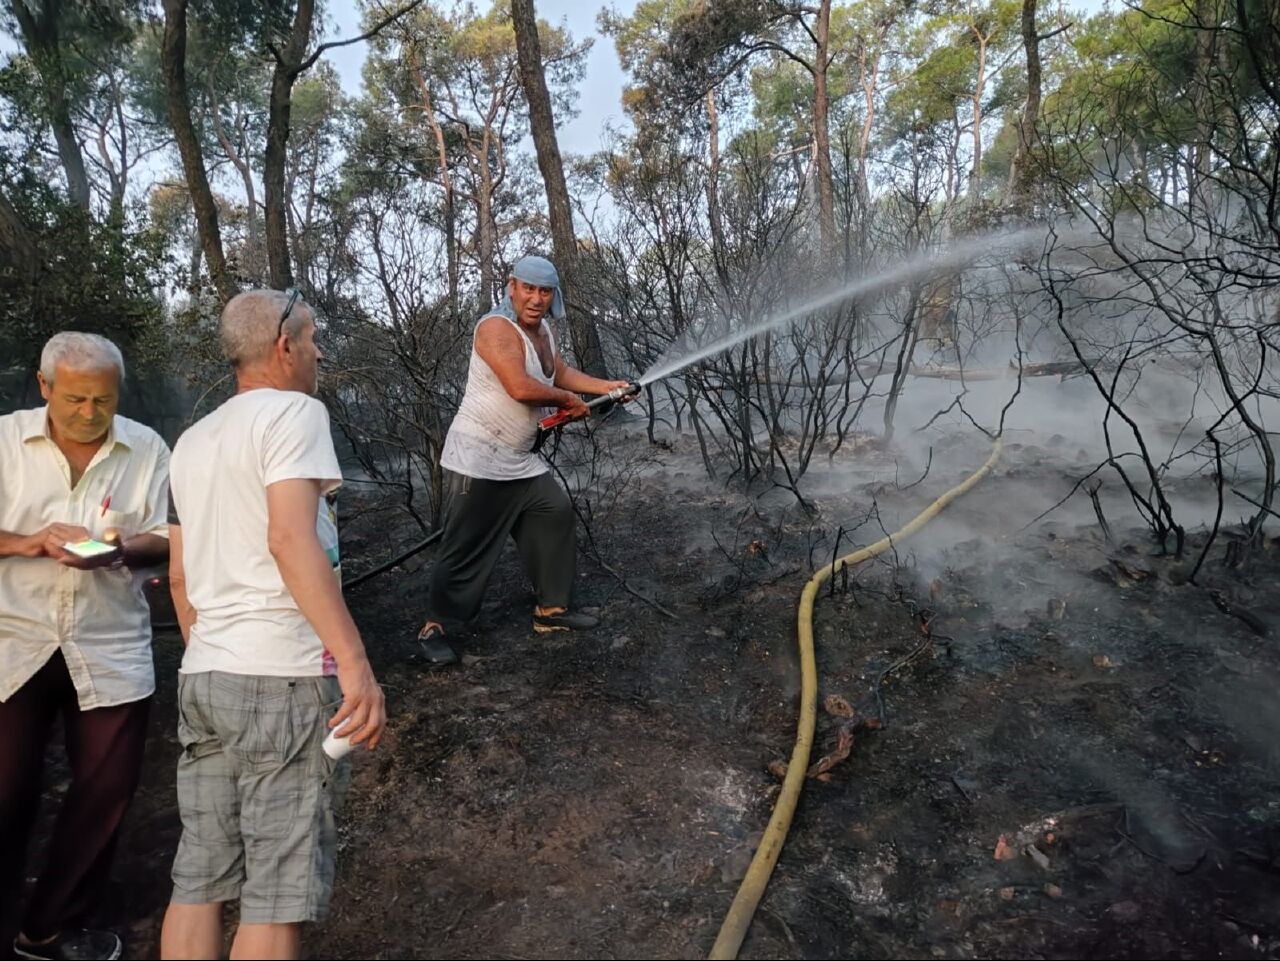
257, 794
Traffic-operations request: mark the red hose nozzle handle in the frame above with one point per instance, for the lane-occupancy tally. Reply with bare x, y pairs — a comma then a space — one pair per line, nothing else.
562, 416
559, 418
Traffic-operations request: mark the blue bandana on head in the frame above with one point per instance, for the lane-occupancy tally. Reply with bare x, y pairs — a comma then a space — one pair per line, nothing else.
541, 273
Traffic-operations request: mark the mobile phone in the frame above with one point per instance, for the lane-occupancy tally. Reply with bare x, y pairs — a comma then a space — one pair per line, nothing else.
90, 548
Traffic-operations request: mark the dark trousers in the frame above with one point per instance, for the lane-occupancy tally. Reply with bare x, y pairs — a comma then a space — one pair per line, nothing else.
479, 515
104, 748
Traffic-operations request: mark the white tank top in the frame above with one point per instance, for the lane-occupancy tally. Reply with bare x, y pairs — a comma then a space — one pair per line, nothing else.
492, 432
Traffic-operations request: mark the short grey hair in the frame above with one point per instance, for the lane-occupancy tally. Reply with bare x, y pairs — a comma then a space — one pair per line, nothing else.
79, 351
250, 322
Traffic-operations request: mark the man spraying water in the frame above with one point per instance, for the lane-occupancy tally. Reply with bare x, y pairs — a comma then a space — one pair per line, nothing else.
494, 483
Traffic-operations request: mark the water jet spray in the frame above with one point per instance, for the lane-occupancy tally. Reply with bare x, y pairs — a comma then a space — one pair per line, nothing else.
957, 254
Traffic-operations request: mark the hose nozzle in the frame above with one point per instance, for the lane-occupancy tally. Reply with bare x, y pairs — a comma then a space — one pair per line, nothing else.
617, 394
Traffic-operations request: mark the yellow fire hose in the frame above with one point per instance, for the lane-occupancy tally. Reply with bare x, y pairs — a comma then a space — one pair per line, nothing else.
736, 922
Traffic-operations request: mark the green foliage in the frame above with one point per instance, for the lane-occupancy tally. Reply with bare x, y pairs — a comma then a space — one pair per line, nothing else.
24, 146
1125, 108
94, 277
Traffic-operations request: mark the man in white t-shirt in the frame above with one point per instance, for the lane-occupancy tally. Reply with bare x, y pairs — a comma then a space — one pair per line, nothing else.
272, 650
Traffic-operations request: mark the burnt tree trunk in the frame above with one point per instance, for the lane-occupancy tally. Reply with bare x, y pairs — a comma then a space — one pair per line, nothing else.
821, 133
582, 329
289, 64
975, 172
1204, 109
238, 160
174, 65
39, 27
719, 249
486, 227
1019, 173
449, 201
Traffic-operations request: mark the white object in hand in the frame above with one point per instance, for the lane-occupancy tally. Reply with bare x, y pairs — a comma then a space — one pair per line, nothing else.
89, 548
337, 747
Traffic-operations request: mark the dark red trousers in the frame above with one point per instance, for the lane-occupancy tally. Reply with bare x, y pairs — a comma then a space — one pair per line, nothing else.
104, 749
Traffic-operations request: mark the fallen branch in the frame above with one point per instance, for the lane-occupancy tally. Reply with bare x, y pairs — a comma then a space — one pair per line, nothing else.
924, 620
632, 591
1048, 369
1097, 509
1217, 517
1075, 487
820, 770
1254, 623
1244, 497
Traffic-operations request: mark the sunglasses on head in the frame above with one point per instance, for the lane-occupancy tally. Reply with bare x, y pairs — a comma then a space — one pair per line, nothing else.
295, 295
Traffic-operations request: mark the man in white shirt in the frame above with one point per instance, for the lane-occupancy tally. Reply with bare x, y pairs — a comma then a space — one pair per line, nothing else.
75, 633
272, 651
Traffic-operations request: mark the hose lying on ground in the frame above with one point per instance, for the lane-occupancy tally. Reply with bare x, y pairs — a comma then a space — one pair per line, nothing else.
738, 919
398, 559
